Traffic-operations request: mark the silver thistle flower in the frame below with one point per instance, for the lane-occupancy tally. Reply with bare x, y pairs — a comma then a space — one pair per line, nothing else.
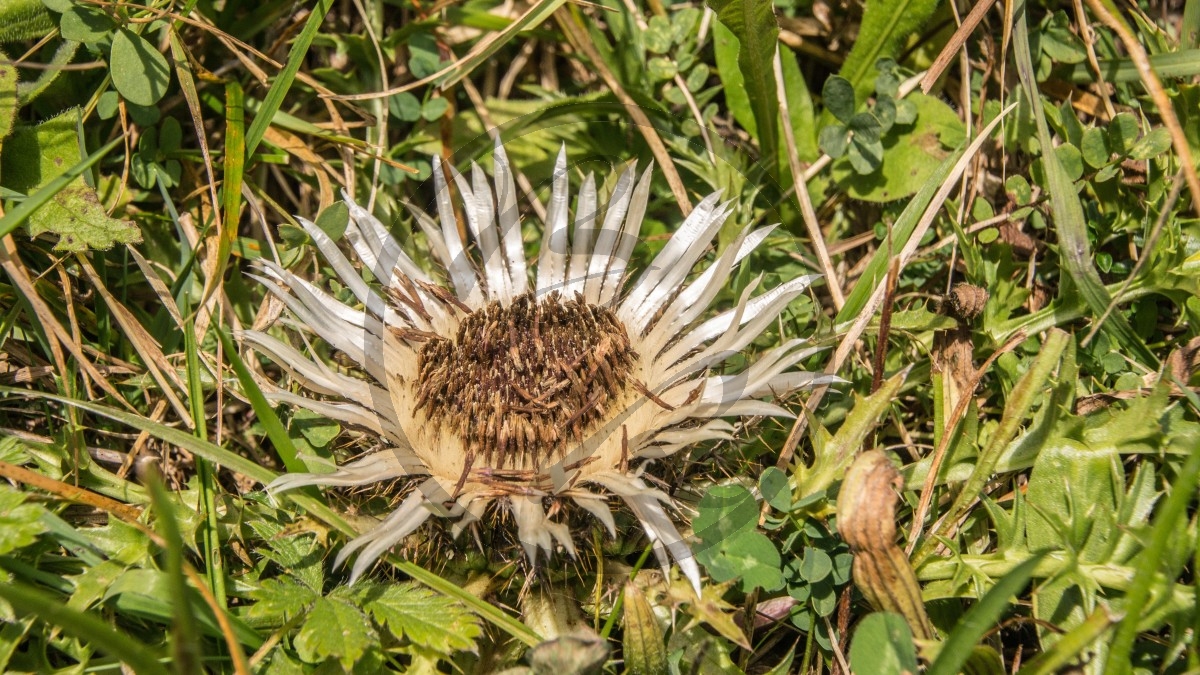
505, 392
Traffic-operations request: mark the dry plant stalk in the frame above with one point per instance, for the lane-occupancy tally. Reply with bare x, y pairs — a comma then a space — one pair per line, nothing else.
867, 521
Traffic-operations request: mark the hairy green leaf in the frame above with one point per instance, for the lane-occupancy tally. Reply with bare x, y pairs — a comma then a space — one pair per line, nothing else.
74, 212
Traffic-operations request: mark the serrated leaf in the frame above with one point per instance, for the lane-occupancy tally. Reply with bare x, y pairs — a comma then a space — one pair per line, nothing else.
139, 71
281, 598
74, 213
20, 523
424, 618
334, 629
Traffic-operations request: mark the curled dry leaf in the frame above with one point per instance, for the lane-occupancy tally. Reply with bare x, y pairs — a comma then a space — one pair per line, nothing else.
867, 521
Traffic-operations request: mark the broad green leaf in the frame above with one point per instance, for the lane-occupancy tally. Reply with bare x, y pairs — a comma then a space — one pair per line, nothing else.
82, 23
724, 511
1152, 144
139, 72
749, 557
22, 20
883, 645
753, 24
838, 96
20, 523
423, 618
74, 212
725, 49
335, 629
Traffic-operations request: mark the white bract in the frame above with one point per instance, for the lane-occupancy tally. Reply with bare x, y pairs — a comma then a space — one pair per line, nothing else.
523, 395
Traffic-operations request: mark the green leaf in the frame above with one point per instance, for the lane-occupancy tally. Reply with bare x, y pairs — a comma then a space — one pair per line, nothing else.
8, 96
883, 645
22, 20
1094, 148
1152, 144
334, 629
724, 511
658, 36
434, 108
281, 598
774, 488
886, 25
749, 557
838, 97
725, 49
90, 628
753, 24
69, 208
139, 72
816, 565
405, 106
423, 618
82, 23
1069, 222
20, 523
834, 140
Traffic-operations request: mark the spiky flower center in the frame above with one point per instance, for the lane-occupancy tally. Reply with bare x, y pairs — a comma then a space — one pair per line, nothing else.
518, 383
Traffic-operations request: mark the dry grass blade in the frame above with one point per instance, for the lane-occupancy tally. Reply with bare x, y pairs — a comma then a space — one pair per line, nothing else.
581, 41
145, 345
55, 333
955, 43
850, 338
801, 188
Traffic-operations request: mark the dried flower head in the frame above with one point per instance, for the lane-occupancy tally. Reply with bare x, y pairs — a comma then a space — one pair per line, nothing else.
518, 394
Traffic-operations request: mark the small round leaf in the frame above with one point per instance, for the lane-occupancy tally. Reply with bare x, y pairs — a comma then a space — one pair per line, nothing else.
139, 72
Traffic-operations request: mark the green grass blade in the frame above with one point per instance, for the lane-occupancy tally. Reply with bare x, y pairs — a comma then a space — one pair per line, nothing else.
533, 17
315, 507
981, 618
1167, 528
1069, 223
262, 408
21, 212
184, 646
1183, 63
283, 81
85, 626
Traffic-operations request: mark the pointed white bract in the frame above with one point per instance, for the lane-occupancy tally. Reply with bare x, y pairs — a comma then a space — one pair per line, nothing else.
517, 396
